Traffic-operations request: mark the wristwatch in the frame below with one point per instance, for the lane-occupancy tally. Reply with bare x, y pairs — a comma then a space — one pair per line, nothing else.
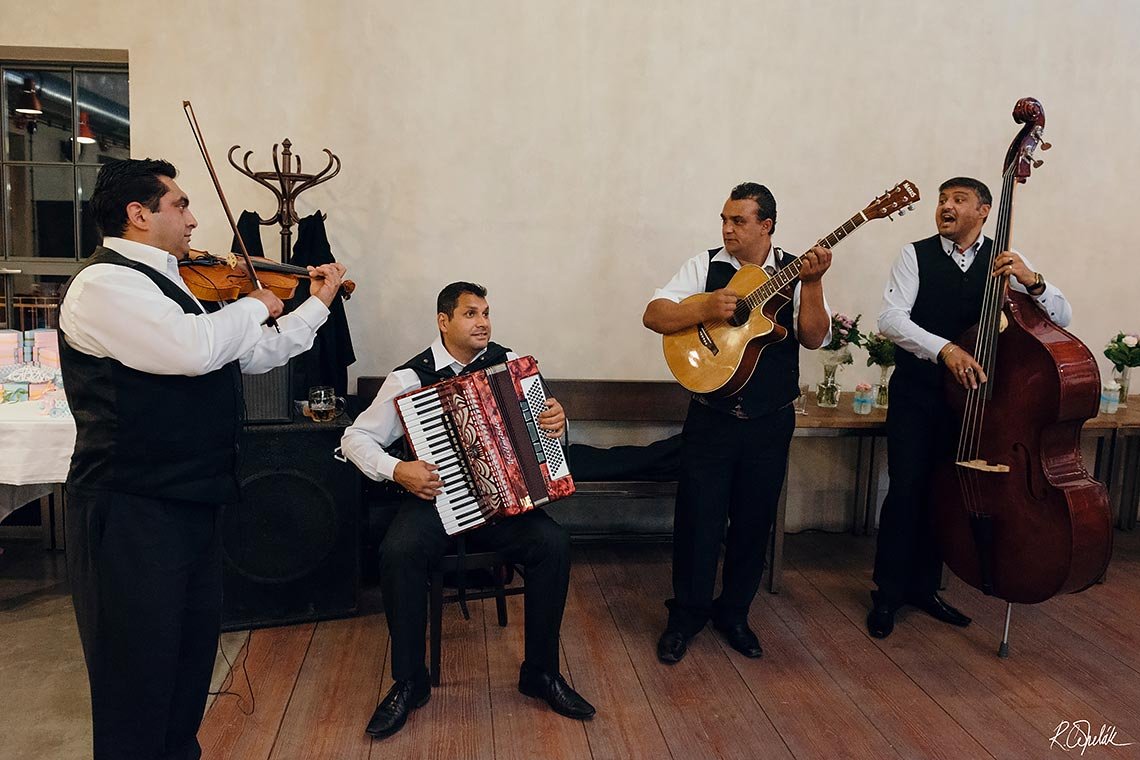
1038, 286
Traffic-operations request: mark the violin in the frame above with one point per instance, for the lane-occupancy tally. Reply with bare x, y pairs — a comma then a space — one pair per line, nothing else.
208, 279
213, 278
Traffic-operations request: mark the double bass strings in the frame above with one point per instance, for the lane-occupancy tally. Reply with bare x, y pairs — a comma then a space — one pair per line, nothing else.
985, 353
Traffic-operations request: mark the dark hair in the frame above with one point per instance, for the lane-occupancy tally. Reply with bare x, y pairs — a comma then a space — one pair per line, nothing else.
124, 182
449, 297
762, 196
969, 183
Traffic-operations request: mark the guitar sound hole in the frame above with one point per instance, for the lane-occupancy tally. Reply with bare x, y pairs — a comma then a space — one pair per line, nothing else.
740, 316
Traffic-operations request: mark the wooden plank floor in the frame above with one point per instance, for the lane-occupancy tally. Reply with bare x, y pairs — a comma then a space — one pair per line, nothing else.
824, 688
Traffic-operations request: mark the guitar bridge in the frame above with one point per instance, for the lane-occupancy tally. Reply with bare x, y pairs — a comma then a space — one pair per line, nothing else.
706, 339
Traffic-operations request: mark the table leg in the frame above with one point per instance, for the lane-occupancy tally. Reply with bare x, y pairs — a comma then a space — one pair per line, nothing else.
1128, 478
776, 565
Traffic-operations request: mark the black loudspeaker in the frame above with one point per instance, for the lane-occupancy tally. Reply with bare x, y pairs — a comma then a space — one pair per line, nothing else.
291, 546
268, 397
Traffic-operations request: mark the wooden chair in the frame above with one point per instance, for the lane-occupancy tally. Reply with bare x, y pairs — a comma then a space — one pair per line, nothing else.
459, 562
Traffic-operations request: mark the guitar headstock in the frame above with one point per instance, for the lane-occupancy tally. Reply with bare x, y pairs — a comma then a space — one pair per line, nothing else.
900, 198
1019, 159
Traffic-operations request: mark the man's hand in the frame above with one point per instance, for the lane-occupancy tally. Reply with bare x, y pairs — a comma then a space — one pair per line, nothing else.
272, 302
962, 366
326, 281
814, 263
1009, 263
720, 305
553, 420
420, 478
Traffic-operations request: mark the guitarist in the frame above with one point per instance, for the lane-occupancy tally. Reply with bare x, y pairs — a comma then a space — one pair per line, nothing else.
735, 449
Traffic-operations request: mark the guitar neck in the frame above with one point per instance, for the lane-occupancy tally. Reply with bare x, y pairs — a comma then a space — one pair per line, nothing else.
789, 274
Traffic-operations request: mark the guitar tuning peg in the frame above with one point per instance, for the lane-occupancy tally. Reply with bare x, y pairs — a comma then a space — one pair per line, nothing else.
910, 207
891, 217
1037, 163
902, 212
1046, 145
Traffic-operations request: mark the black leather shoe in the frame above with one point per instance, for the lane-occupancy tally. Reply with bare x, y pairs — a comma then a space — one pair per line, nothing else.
392, 712
557, 693
671, 647
881, 618
937, 608
741, 638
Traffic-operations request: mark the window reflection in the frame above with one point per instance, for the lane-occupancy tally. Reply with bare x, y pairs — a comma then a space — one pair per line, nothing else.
36, 301
104, 124
41, 211
48, 135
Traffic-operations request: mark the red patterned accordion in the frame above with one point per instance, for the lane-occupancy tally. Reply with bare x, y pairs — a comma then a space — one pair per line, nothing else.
481, 430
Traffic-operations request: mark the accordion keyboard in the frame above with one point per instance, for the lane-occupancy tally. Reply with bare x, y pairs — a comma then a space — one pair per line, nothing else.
433, 436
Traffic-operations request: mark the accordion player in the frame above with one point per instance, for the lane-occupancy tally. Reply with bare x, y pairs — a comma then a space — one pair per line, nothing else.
480, 430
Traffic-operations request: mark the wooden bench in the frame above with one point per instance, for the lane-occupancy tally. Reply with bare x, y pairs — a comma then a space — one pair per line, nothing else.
643, 510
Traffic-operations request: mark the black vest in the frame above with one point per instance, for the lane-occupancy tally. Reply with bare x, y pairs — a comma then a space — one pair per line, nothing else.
776, 381
423, 364
160, 436
948, 302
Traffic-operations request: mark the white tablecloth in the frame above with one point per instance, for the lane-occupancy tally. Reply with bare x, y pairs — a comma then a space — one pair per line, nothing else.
34, 447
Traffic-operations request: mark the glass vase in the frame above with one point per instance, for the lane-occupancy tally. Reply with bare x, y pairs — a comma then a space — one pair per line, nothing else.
882, 388
1122, 376
827, 392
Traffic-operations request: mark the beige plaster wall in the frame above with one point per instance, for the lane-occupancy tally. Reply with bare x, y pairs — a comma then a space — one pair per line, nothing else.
570, 155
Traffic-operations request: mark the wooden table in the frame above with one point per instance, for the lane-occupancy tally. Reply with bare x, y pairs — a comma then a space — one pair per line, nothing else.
1117, 463
1122, 471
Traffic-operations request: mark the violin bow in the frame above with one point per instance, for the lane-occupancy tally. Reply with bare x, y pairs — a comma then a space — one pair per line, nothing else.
190, 117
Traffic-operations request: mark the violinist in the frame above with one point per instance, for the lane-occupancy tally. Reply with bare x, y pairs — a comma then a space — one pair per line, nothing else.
933, 294
154, 383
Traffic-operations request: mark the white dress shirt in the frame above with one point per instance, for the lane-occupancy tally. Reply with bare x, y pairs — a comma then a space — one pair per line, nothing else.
902, 290
116, 312
378, 426
690, 280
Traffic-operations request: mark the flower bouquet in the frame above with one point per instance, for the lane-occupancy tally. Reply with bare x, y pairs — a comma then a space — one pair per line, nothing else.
1124, 353
844, 334
880, 353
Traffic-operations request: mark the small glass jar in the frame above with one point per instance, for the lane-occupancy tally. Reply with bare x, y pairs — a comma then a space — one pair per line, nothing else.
1109, 398
864, 399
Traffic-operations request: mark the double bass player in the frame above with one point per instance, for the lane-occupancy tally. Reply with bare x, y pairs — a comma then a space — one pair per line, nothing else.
934, 293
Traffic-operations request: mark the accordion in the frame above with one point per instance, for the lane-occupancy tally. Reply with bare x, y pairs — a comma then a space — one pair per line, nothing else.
481, 430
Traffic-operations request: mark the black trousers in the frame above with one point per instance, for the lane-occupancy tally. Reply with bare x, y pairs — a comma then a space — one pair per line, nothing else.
907, 560
416, 542
732, 471
146, 582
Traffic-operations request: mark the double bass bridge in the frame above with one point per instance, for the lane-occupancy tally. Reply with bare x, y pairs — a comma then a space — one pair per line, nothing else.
981, 465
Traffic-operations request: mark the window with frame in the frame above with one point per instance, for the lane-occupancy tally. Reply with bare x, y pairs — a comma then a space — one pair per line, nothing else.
63, 119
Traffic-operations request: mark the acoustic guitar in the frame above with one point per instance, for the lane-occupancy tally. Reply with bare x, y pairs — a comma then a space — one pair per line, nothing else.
718, 358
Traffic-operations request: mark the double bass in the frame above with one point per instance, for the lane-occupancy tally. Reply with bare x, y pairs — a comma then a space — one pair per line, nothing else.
1016, 513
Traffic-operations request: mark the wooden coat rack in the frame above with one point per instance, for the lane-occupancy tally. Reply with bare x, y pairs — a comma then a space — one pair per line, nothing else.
289, 185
